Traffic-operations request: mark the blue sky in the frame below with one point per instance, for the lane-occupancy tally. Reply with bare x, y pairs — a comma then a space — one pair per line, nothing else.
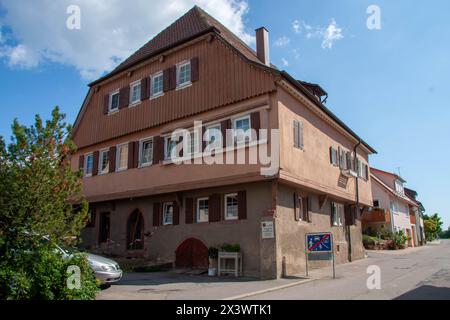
390, 85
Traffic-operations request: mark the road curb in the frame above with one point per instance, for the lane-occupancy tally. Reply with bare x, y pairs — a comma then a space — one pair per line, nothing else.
254, 293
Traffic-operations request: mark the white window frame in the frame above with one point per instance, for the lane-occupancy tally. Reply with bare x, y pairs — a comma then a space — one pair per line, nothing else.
226, 215
339, 221
119, 146
235, 132
86, 156
152, 79
141, 149
198, 209
165, 205
218, 127
100, 162
132, 85
179, 66
110, 110
167, 156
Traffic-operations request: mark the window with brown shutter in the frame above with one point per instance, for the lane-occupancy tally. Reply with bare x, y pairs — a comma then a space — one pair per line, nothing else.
156, 214
189, 211
214, 208
166, 80
305, 208
242, 205
255, 122
112, 159
130, 154
124, 97
224, 126
158, 149
297, 206
106, 104
95, 164
145, 88
176, 213
194, 69
298, 134
81, 162
173, 78
349, 217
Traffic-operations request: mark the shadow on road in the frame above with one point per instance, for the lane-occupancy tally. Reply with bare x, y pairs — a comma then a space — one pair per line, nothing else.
426, 292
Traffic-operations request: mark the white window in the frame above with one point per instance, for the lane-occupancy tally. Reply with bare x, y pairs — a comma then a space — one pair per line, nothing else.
214, 136
146, 152
122, 157
183, 74
157, 85
88, 164
242, 132
170, 149
103, 161
337, 214
202, 209
114, 101
167, 213
135, 92
193, 146
394, 207
231, 206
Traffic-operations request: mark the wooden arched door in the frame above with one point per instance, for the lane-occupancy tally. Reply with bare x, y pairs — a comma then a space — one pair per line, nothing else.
191, 253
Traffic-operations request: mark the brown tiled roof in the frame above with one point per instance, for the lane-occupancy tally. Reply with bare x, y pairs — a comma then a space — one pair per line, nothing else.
191, 25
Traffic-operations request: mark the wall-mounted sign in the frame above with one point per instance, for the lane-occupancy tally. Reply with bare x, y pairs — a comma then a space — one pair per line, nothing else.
267, 231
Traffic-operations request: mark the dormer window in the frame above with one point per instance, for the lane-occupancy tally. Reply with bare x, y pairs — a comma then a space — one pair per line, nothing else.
114, 101
183, 74
399, 187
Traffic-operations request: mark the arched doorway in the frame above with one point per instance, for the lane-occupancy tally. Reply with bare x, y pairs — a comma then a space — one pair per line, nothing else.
135, 231
191, 253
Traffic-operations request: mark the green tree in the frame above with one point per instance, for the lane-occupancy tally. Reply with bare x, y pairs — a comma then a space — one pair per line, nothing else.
38, 193
433, 226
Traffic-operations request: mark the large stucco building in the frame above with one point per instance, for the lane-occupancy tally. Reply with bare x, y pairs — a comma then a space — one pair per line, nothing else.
144, 205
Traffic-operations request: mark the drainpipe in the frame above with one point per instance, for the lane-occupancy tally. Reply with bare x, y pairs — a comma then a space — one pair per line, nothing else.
357, 201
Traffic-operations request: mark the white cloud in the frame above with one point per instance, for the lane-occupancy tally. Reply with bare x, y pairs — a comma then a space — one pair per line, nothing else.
331, 34
296, 54
111, 30
285, 62
282, 41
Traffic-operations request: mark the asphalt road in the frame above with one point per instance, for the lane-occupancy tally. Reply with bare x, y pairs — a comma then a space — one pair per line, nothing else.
418, 273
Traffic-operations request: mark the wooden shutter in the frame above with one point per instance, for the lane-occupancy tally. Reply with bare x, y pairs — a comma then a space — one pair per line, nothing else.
156, 214
81, 162
145, 88
224, 125
130, 154
203, 142
136, 154
173, 78
296, 126
306, 206
333, 156
255, 122
112, 159
242, 205
331, 213
189, 211
194, 69
296, 207
166, 80
158, 149
300, 134
106, 104
214, 208
348, 212
176, 213
95, 164
124, 97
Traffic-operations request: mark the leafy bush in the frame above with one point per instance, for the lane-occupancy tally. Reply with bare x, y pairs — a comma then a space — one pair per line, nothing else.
36, 271
226, 247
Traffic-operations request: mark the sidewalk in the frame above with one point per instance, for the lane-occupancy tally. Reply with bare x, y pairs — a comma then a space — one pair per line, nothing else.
172, 286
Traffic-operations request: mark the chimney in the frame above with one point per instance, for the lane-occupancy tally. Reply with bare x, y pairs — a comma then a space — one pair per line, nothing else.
262, 45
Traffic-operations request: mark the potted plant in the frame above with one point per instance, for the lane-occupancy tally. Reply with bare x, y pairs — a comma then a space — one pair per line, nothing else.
213, 253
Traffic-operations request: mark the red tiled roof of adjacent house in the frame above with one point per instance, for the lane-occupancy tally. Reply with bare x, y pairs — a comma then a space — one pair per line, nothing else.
374, 170
191, 25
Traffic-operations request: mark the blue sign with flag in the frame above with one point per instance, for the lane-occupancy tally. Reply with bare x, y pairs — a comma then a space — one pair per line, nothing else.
319, 242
